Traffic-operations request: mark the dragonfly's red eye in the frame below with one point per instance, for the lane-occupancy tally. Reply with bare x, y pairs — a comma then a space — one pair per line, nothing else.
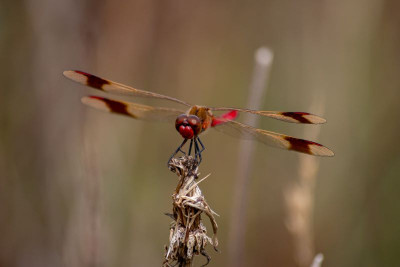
182, 119
195, 122
186, 131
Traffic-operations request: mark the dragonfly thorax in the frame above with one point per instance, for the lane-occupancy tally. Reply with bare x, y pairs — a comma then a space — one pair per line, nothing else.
188, 126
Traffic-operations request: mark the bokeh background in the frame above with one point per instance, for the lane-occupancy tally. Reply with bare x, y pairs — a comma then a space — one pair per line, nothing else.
80, 187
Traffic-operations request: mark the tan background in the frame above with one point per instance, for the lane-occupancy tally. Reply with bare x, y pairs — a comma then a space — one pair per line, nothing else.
84, 188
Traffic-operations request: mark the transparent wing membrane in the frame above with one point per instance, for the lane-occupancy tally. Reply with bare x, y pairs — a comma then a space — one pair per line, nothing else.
113, 87
134, 110
240, 130
295, 117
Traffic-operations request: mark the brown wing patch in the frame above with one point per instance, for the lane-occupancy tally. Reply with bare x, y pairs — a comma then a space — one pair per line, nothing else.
133, 110
307, 147
282, 141
94, 81
298, 116
115, 106
299, 144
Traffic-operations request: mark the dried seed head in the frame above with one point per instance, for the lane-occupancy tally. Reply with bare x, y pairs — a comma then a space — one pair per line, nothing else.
188, 235
183, 166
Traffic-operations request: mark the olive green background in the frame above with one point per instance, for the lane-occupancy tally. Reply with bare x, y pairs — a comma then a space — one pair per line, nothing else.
80, 187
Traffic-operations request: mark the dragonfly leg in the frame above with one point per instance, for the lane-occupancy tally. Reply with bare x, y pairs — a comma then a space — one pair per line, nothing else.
202, 146
197, 151
190, 147
177, 150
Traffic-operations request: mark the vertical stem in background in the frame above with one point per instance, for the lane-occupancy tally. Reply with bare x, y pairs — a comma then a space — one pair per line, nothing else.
299, 197
263, 61
72, 220
317, 261
83, 245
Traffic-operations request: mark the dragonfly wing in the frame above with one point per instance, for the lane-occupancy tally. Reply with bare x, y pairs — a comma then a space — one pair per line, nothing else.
113, 87
296, 117
134, 110
240, 130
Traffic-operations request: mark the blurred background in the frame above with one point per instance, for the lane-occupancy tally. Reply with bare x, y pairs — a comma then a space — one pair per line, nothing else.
79, 187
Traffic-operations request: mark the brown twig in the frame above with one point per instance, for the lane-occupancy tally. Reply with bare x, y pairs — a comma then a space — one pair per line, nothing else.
188, 235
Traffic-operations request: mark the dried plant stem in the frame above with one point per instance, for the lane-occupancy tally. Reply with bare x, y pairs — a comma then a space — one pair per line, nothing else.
299, 198
263, 61
317, 260
188, 236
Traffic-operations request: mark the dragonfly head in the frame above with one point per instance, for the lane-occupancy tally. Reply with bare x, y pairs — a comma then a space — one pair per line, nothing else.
188, 126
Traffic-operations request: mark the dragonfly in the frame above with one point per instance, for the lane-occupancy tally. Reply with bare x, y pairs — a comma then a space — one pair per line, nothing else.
197, 119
